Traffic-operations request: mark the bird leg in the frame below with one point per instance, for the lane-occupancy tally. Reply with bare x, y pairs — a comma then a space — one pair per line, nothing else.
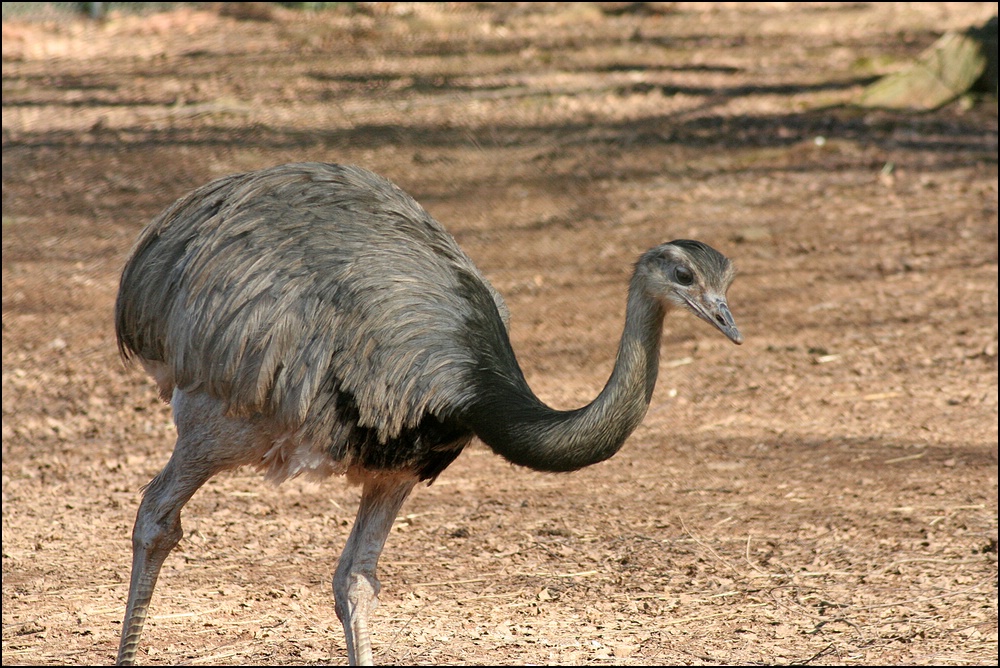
207, 442
355, 586
157, 531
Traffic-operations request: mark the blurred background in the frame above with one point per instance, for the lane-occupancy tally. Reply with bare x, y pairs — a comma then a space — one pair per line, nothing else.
825, 493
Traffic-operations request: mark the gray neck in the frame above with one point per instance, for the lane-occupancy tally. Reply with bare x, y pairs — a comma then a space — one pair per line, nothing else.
517, 425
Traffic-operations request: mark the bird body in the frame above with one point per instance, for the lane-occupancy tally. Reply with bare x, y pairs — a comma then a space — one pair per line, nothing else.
320, 296
313, 318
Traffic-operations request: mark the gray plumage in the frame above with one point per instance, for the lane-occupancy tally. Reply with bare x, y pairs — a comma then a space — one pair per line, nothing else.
313, 318
305, 293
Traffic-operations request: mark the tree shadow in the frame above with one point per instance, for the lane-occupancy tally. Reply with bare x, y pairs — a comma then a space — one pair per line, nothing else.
951, 136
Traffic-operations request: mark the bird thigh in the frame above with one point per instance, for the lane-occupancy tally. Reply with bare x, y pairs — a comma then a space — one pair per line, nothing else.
209, 441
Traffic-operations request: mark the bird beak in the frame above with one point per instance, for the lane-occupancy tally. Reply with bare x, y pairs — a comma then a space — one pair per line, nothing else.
715, 311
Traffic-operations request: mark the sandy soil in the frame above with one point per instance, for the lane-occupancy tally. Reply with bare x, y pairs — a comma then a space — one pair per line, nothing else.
825, 493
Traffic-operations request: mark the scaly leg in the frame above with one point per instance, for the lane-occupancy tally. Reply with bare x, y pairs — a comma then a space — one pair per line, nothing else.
207, 443
157, 530
355, 586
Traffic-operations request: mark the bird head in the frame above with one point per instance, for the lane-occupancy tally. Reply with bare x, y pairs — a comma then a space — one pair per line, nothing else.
694, 276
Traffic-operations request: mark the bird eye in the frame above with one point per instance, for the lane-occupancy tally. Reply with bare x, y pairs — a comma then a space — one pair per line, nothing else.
683, 276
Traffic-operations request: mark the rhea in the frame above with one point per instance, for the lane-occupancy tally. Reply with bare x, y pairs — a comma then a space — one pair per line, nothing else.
313, 318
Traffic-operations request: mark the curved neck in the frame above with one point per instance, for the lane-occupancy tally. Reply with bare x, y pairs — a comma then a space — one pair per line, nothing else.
510, 419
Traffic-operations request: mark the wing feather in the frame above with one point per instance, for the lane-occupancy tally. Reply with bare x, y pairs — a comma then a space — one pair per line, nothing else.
285, 290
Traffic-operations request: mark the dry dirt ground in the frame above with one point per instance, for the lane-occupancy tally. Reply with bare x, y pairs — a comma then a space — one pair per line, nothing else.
825, 493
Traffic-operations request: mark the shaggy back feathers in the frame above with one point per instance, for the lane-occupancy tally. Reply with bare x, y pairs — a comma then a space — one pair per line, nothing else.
283, 291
